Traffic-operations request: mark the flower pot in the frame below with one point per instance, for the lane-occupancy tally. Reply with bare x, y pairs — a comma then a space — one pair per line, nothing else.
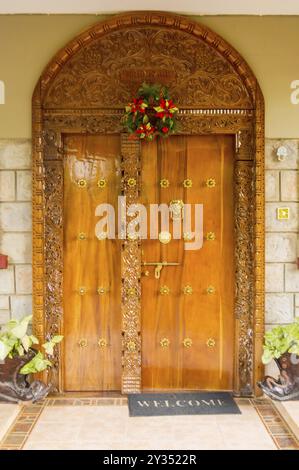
289, 364
286, 386
15, 387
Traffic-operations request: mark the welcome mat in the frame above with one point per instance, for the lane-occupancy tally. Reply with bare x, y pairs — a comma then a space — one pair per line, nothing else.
197, 403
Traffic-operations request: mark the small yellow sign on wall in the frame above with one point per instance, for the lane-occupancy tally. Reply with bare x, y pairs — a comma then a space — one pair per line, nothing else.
283, 213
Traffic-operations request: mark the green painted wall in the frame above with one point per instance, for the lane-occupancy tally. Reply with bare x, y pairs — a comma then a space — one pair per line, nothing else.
269, 44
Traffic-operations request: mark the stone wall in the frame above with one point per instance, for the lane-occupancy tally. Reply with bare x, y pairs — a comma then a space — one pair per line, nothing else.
15, 228
282, 275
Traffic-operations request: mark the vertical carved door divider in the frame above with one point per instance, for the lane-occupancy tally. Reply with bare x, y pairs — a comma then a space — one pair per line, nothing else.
53, 187
131, 272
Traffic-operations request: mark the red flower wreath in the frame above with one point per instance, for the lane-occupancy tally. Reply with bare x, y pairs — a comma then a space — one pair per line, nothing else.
151, 113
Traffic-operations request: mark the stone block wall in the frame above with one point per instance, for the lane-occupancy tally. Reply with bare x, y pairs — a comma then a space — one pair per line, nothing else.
282, 275
15, 229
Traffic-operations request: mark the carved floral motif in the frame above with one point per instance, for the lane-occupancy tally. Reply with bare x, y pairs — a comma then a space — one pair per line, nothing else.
244, 259
108, 71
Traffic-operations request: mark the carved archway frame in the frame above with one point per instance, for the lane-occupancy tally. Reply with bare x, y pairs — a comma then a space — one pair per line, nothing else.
84, 89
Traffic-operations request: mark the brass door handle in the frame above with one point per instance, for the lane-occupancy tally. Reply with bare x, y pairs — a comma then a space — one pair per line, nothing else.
158, 270
82, 343
159, 265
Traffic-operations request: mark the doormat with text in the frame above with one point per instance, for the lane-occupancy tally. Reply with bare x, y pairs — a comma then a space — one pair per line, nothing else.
195, 403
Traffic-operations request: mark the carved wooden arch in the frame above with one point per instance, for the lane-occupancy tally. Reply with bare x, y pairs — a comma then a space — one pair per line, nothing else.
84, 89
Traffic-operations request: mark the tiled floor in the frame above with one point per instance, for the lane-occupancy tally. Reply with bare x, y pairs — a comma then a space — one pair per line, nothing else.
110, 427
7, 415
292, 408
105, 424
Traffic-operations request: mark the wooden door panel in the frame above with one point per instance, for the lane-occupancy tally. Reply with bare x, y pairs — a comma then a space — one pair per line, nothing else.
205, 318
91, 264
159, 364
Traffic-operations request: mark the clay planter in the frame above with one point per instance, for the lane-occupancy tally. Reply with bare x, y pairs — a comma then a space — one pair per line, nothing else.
15, 387
286, 387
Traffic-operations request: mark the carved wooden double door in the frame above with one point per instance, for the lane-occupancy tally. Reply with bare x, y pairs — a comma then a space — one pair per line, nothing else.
187, 295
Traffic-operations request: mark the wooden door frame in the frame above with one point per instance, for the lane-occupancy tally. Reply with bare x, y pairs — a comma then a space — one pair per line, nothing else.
233, 104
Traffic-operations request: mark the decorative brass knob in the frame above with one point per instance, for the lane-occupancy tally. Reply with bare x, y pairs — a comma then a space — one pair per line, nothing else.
102, 343
176, 207
164, 342
164, 290
164, 237
187, 342
131, 292
187, 183
82, 183
82, 290
211, 343
131, 182
210, 183
102, 183
82, 343
164, 183
82, 236
132, 236
211, 290
188, 236
102, 290
210, 236
102, 235
188, 290
131, 346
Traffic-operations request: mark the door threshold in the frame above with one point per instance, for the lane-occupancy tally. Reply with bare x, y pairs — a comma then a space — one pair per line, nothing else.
183, 390
91, 394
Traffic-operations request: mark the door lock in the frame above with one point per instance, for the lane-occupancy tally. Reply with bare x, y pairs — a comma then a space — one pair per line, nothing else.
159, 266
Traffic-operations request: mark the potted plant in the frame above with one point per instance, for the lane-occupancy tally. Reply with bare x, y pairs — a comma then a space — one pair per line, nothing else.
19, 359
282, 345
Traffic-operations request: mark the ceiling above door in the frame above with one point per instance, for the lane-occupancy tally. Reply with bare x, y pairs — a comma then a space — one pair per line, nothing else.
200, 7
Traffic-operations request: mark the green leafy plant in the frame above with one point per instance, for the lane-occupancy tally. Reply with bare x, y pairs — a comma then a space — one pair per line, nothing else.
280, 340
15, 341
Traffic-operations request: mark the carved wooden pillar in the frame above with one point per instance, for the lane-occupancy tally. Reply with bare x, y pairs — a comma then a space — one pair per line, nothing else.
53, 167
259, 233
131, 273
38, 216
244, 301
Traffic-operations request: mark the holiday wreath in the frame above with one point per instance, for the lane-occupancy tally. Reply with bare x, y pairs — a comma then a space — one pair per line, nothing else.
151, 113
